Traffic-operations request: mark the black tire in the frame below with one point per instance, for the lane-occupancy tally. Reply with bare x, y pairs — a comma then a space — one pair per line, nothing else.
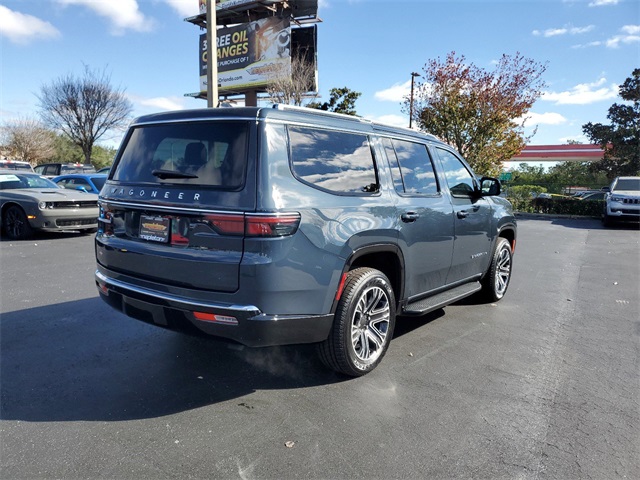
496, 281
15, 224
607, 221
363, 324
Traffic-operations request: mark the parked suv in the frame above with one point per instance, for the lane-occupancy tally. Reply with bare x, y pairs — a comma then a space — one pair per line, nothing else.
273, 226
622, 201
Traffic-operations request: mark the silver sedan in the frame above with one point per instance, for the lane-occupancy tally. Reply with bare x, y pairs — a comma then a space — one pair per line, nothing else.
31, 202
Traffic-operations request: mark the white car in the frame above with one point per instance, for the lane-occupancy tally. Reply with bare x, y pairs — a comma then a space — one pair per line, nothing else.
622, 202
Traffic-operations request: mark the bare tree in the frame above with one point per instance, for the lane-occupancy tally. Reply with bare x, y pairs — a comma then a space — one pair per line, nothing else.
84, 108
28, 140
293, 87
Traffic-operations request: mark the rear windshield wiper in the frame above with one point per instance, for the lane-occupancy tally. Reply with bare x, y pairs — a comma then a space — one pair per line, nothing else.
164, 174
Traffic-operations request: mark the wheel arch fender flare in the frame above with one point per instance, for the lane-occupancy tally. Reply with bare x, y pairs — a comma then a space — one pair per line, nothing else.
385, 257
508, 231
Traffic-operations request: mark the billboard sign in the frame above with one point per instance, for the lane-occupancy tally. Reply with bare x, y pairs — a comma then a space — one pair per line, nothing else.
302, 8
227, 4
249, 55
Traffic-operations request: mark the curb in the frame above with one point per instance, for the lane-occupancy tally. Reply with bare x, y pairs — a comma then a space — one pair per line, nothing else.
544, 216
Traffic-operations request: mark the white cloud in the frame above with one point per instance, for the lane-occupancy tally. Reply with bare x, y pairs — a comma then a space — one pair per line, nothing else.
186, 8
548, 118
22, 28
396, 93
123, 14
603, 3
567, 30
631, 29
629, 34
393, 120
157, 104
583, 94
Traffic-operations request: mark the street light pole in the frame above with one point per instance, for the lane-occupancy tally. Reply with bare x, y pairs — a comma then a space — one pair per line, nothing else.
413, 75
212, 55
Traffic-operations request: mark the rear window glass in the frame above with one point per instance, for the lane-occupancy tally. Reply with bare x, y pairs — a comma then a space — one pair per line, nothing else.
203, 153
335, 161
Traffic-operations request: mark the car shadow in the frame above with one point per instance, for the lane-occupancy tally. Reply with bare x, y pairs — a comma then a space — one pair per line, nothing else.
407, 324
83, 361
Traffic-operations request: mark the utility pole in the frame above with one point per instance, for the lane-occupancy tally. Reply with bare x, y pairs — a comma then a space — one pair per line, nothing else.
413, 76
212, 55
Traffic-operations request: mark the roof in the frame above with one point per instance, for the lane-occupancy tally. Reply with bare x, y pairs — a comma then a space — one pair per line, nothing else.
286, 113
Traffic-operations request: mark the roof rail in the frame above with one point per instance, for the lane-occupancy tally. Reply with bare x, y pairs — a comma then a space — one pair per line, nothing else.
315, 111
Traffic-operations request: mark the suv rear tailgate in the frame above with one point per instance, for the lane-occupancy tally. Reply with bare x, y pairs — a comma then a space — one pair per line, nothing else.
191, 253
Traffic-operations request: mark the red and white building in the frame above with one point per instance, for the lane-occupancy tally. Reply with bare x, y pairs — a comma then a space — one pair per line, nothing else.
558, 153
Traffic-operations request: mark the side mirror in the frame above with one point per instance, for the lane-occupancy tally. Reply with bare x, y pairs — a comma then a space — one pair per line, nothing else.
605, 189
81, 188
489, 187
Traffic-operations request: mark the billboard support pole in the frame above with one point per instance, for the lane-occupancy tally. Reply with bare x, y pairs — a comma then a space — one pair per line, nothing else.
413, 76
212, 55
251, 98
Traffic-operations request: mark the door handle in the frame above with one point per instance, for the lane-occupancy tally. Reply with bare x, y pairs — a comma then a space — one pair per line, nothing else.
462, 214
409, 217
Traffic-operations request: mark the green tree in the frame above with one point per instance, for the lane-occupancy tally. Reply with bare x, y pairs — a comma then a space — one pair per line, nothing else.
527, 174
579, 174
341, 100
103, 156
621, 139
480, 113
84, 108
65, 151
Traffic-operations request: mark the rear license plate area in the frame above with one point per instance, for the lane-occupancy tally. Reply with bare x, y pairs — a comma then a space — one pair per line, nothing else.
154, 228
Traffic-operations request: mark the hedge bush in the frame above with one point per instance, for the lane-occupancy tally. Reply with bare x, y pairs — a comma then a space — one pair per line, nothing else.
559, 206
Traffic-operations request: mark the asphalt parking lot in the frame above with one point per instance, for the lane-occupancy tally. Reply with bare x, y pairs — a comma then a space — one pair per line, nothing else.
544, 384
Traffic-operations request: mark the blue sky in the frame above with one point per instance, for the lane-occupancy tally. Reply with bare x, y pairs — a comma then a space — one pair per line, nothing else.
370, 46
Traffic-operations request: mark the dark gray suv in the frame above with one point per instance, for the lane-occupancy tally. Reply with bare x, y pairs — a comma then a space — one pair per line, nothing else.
274, 226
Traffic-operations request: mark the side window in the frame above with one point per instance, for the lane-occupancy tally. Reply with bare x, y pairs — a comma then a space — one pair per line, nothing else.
81, 183
460, 180
393, 163
411, 167
338, 162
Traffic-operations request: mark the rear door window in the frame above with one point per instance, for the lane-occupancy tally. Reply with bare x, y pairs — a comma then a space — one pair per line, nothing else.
340, 162
411, 167
198, 154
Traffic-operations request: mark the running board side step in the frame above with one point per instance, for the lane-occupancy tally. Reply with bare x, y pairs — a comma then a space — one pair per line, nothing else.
442, 299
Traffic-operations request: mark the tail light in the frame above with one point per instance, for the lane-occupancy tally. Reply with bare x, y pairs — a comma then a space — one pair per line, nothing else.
260, 225
271, 225
105, 220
